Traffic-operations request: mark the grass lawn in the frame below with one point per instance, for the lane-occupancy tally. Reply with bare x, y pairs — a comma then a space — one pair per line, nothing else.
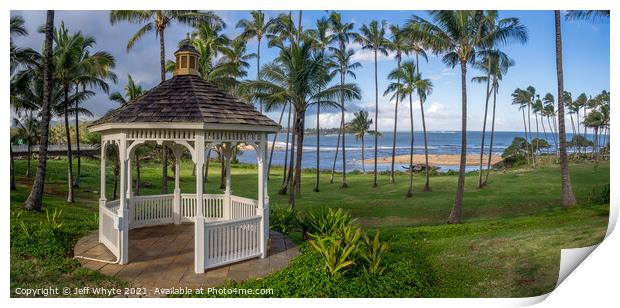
508, 245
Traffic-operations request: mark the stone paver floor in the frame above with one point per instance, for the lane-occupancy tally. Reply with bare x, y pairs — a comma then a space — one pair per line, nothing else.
163, 257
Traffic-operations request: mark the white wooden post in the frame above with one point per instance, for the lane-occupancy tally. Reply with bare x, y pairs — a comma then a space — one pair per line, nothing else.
199, 221
262, 209
176, 204
102, 188
227, 193
123, 225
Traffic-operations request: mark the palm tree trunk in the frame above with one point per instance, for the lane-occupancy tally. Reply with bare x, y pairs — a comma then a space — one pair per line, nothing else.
551, 128
568, 199
69, 154
578, 130
288, 134
260, 102
484, 122
273, 143
542, 123
526, 139
486, 177
29, 157
295, 190
222, 169
162, 64
34, 201
206, 165
376, 120
318, 146
13, 186
427, 185
392, 180
363, 156
537, 133
288, 180
76, 180
331, 178
455, 214
344, 136
410, 189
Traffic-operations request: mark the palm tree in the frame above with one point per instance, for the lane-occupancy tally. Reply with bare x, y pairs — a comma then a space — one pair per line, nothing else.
34, 201
457, 35
342, 33
582, 102
157, 21
399, 44
342, 65
257, 27
28, 130
132, 91
321, 41
489, 65
521, 98
499, 65
408, 83
568, 199
549, 112
360, 126
295, 77
372, 37
537, 108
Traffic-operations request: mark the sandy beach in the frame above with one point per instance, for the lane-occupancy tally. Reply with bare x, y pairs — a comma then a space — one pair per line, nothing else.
435, 159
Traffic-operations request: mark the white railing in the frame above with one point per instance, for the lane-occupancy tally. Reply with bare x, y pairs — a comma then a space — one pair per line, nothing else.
212, 206
151, 210
231, 241
108, 232
242, 207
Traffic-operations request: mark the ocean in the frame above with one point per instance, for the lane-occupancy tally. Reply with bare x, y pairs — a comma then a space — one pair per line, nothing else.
439, 142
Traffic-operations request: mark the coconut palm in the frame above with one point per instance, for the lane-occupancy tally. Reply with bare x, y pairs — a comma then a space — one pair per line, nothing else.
256, 27
295, 77
399, 45
537, 108
499, 65
132, 91
321, 39
342, 65
458, 35
342, 33
360, 126
28, 130
372, 37
33, 203
409, 82
157, 21
490, 65
581, 102
549, 113
568, 198
522, 99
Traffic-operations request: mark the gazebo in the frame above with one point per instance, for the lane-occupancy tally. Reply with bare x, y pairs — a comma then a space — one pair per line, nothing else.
187, 112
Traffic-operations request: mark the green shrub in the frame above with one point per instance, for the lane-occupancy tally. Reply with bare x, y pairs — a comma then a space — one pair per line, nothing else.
374, 253
326, 223
283, 220
599, 195
45, 240
336, 253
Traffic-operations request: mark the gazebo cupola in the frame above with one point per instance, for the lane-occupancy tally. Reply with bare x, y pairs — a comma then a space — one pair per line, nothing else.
187, 114
186, 60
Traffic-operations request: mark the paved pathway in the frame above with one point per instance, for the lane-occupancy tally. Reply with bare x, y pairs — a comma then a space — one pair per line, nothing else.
163, 257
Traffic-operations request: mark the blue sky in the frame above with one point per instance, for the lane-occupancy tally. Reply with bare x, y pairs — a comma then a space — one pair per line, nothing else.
586, 64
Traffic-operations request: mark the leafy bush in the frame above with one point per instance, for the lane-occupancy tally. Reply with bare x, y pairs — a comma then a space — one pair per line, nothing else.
283, 220
47, 239
326, 223
375, 250
599, 195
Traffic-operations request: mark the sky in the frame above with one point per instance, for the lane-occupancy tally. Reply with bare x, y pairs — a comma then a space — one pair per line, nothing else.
586, 60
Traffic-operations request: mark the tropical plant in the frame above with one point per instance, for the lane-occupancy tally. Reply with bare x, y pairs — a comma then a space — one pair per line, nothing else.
35, 197
297, 76
374, 253
157, 21
321, 39
372, 37
549, 113
458, 35
257, 27
398, 44
568, 198
522, 99
336, 254
360, 126
27, 130
344, 65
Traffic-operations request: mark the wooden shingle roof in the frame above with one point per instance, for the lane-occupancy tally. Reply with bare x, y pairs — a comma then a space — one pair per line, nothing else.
187, 99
